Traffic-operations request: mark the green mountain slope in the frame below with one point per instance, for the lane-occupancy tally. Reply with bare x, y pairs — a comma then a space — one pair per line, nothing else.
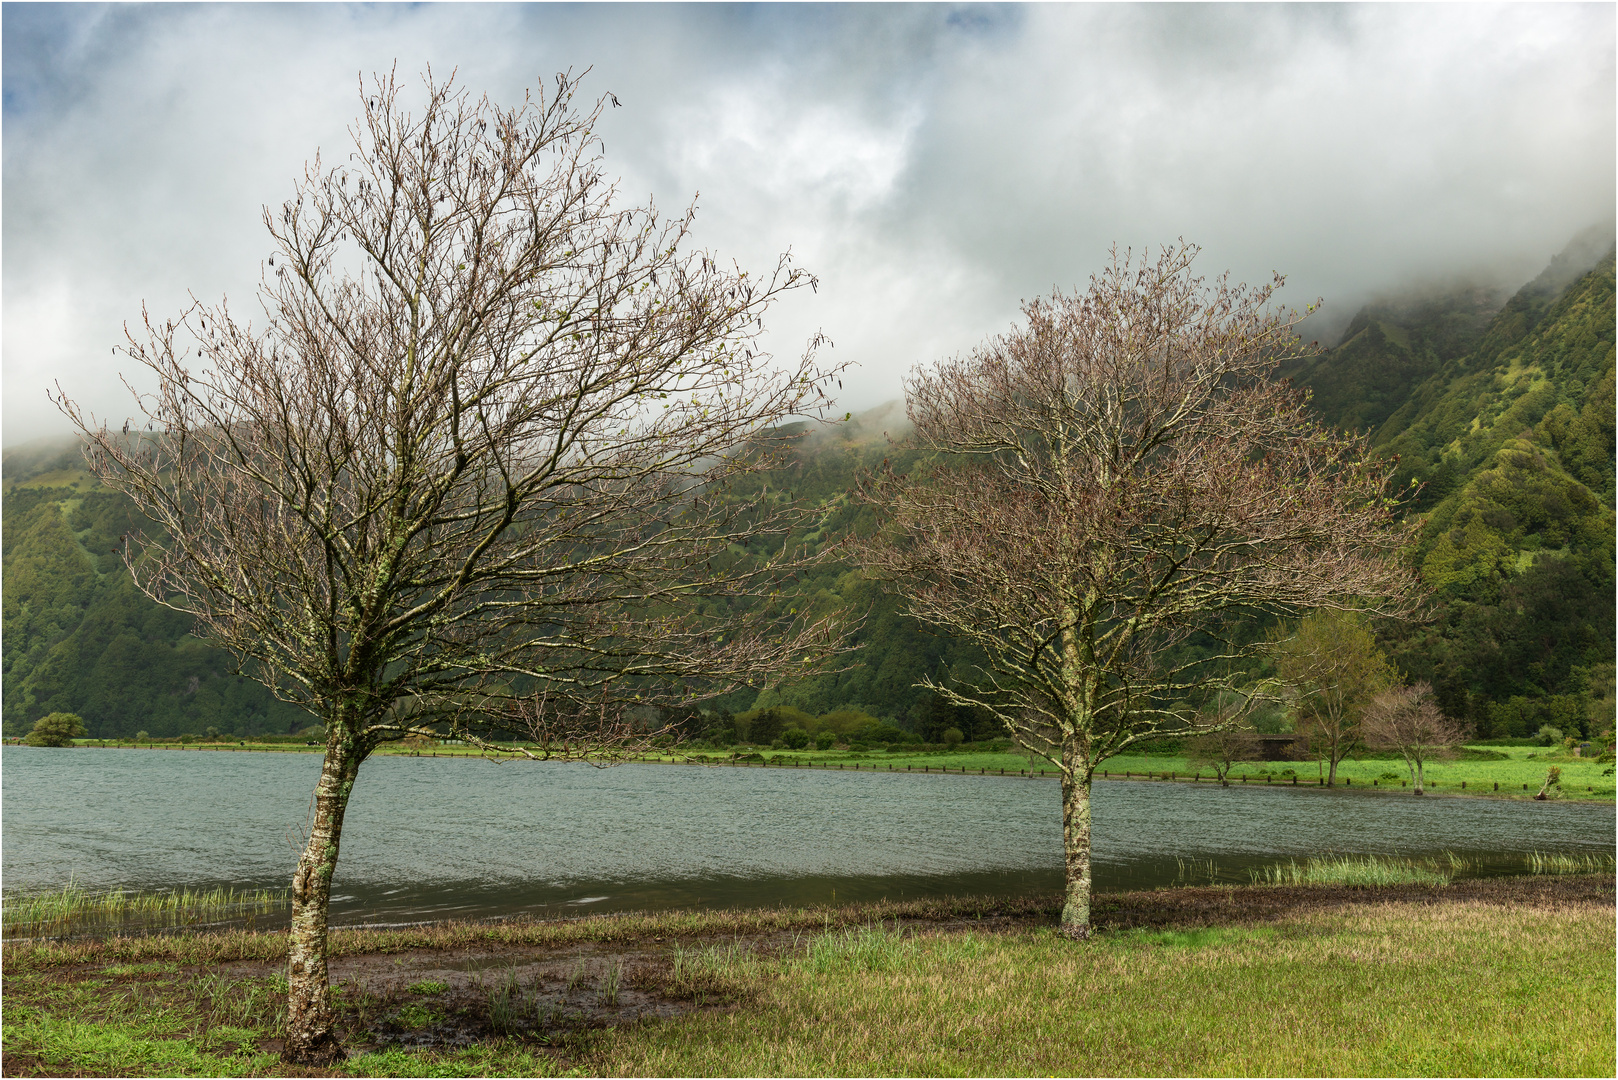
78, 637
1512, 440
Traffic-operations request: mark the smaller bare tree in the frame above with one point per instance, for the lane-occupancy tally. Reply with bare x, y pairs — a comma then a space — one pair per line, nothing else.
1222, 749
1121, 473
1408, 719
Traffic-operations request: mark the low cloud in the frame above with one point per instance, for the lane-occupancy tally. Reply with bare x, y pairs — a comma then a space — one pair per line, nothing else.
934, 165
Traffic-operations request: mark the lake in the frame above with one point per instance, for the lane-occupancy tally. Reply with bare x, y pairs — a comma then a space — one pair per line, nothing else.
431, 838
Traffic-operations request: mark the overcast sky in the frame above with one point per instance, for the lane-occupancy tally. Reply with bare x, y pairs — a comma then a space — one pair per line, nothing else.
934, 165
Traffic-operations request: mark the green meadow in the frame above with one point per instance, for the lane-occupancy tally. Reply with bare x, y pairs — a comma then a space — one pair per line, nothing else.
1519, 771
1498, 977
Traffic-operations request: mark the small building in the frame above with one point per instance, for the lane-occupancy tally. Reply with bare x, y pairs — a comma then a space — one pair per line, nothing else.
1286, 746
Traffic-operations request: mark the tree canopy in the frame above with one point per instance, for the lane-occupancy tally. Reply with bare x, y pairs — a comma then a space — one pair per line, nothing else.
472, 474
1116, 475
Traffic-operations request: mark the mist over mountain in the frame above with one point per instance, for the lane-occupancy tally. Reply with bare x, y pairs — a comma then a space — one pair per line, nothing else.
1500, 409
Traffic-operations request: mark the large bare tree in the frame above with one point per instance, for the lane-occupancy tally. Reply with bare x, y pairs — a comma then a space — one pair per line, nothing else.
1116, 475
470, 475
1330, 669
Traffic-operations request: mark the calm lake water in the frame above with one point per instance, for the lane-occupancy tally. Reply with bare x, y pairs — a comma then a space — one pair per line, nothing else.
430, 838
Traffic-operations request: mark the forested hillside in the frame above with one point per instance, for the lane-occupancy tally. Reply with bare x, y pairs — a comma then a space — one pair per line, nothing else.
78, 637
1510, 435
1500, 409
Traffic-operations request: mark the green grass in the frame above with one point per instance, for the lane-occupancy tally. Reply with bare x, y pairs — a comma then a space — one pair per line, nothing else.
428, 986
1356, 870
135, 1024
1518, 776
75, 909
1582, 778
1566, 863
1371, 991
1373, 982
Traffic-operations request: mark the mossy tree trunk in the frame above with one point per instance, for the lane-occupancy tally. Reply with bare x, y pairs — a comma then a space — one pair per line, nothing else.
311, 1024
1076, 776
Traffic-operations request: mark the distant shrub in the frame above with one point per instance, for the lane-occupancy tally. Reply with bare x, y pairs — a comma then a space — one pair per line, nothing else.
1548, 736
881, 731
764, 726
846, 721
55, 729
141, 736
952, 737
794, 738
825, 740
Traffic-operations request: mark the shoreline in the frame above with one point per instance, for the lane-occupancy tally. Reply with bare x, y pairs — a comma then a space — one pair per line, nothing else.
1168, 906
1470, 788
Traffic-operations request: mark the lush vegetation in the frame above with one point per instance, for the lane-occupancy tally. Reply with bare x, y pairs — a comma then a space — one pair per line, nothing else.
1507, 425
1503, 415
78, 637
1277, 979
56, 729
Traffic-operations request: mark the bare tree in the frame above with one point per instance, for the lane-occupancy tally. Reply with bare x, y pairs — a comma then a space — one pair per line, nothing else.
1331, 668
478, 453
1223, 748
1408, 719
1108, 479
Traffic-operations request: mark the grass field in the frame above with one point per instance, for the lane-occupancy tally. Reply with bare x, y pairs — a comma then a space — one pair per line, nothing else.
1518, 775
1497, 977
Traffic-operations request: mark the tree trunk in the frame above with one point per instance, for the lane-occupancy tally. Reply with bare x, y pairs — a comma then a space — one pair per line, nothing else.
1419, 791
311, 1030
1076, 847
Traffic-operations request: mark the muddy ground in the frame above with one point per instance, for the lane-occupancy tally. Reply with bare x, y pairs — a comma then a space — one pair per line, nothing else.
549, 992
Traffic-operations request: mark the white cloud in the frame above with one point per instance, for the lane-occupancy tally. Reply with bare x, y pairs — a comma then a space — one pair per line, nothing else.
934, 165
